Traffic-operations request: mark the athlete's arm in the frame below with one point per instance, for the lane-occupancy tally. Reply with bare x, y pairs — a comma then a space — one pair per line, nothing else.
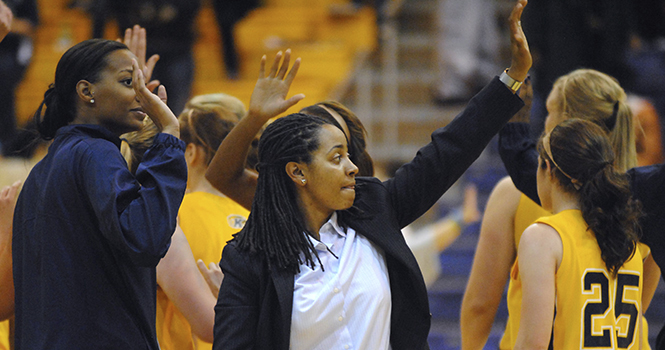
539, 256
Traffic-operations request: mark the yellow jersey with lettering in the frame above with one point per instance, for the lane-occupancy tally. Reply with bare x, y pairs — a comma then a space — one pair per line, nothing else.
208, 221
594, 309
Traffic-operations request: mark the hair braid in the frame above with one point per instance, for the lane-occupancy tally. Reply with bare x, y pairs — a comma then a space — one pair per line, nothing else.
276, 228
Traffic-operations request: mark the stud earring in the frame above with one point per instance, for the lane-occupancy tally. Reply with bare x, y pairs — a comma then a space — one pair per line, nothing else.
92, 100
303, 181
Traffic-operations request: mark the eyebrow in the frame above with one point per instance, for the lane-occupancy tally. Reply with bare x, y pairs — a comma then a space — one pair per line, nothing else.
128, 70
341, 146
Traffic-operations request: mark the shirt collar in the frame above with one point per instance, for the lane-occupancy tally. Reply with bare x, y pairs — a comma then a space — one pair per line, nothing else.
92, 130
333, 226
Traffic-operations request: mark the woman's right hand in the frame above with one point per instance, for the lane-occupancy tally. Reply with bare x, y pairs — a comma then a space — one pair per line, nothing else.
154, 105
269, 96
519, 47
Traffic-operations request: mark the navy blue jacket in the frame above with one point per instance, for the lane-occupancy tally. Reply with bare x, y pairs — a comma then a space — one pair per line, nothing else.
87, 238
254, 307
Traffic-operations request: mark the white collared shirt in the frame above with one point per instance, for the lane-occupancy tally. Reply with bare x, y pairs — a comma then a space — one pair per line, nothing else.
348, 305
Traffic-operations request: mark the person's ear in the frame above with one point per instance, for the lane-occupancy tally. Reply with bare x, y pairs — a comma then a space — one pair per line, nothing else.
548, 167
85, 91
190, 153
295, 172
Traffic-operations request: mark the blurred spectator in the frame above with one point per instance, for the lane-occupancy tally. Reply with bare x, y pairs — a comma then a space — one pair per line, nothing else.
570, 34
648, 139
228, 13
15, 55
467, 48
170, 33
646, 56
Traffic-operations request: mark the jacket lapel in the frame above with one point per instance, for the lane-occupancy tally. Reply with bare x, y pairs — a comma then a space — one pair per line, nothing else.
284, 282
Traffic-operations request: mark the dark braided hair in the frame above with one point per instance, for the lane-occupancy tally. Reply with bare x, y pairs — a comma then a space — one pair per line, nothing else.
276, 228
583, 164
83, 61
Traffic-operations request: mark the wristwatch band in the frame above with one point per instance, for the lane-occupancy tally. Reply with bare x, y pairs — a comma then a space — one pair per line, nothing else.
511, 83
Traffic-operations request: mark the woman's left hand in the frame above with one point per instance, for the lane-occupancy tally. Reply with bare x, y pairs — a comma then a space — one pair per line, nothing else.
269, 96
135, 39
212, 274
154, 105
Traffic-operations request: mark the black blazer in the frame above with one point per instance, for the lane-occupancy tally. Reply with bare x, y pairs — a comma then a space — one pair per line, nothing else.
254, 306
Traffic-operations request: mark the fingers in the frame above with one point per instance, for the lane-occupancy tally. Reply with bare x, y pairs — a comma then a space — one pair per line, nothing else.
161, 92
137, 76
280, 71
262, 68
285, 64
8, 193
515, 20
293, 72
202, 266
150, 66
127, 40
139, 37
293, 100
275, 65
152, 85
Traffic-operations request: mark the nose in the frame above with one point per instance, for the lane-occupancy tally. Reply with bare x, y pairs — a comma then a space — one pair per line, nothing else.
352, 169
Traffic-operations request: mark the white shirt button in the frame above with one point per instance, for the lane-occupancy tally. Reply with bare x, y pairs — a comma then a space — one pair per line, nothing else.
341, 319
336, 290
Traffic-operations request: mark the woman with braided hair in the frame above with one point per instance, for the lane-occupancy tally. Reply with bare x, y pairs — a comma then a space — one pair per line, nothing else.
580, 268
321, 262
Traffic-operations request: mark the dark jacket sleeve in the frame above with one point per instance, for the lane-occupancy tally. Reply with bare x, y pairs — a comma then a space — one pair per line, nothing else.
418, 184
648, 186
136, 214
237, 309
520, 157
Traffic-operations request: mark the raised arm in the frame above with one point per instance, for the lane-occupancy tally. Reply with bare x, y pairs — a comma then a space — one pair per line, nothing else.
179, 277
227, 171
494, 257
420, 183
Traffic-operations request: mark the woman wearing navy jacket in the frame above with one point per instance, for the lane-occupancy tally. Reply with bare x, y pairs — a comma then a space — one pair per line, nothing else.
87, 233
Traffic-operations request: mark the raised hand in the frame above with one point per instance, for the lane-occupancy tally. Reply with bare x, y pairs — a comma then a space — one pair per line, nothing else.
154, 105
5, 20
269, 96
135, 39
519, 47
212, 274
